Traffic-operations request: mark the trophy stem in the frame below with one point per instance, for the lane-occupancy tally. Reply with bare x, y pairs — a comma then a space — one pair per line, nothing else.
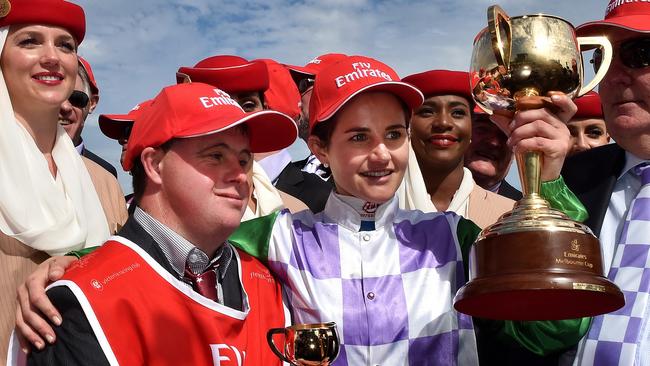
529, 164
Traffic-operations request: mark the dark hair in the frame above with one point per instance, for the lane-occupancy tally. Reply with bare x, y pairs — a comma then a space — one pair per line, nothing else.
140, 176
324, 130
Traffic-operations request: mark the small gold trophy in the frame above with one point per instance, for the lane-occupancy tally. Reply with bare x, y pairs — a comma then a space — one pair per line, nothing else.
534, 263
307, 344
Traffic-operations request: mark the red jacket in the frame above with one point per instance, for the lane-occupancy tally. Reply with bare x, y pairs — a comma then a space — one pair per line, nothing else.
142, 315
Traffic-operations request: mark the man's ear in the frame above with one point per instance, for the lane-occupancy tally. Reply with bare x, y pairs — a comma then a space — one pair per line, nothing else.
94, 100
152, 161
318, 148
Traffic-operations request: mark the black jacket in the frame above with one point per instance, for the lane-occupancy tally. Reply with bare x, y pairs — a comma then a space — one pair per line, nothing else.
591, 175
307, 187
506, 190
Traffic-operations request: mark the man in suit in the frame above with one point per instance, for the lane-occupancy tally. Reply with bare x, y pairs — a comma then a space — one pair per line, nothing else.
74, 111
610, 181
489, 157
304, 77
211, 303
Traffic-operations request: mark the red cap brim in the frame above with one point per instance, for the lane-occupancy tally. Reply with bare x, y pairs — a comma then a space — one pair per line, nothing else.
635, 23
251, 77
406, 92
301, 71
267, 130
114, 125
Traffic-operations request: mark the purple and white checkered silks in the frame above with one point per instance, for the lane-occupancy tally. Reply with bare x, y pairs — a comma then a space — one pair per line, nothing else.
389, 290
614, 338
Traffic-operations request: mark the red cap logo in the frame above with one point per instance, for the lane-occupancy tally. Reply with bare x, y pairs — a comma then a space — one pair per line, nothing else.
336, 84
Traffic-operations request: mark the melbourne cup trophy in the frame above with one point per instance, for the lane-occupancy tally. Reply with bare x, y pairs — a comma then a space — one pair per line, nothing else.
307, 344
534, 263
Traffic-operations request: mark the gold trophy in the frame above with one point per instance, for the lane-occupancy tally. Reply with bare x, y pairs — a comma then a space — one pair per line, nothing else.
534, 263
307, 344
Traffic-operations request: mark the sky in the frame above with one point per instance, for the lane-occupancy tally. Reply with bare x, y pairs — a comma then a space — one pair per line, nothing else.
136, 46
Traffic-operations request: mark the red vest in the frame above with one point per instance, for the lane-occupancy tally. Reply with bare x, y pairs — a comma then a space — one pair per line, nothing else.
142, 315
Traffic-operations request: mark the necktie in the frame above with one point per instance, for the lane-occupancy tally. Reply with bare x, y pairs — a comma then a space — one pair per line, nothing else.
205, 283
614, 338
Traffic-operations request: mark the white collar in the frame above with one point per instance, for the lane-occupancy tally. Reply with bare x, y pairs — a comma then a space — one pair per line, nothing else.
344, 214
631, 161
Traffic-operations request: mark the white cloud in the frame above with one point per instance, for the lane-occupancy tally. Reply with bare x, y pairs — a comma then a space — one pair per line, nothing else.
136, 46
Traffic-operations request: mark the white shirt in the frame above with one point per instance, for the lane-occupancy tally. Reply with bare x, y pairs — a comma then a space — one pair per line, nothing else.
274, 164
626, 188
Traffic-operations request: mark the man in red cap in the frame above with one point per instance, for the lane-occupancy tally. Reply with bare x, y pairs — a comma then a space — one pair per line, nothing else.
74, 111
170, 289
248, 82
587, 127
118, 126
304, 77
612, 182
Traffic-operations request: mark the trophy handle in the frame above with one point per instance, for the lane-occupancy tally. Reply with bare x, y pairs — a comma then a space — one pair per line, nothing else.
603, 42
269, 339
495, 16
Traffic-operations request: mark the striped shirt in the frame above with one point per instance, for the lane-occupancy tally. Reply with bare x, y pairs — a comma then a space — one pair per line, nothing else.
178, 251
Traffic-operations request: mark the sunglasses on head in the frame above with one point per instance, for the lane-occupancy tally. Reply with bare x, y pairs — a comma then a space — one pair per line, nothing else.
634, 54
305, 84
79, 99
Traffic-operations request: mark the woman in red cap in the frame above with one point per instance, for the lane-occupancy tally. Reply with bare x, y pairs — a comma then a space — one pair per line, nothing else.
386, 276
48, 199
587, 127
441, 131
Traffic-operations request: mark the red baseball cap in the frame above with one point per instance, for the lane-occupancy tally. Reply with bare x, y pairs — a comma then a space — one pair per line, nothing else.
232, 74
59, 13
336, 84
589, 106
631, 15
196, 109
441, 82
282, 94
115, 125
314, 66
91, 76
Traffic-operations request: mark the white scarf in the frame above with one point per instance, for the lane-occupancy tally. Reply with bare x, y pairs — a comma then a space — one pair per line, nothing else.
34, 209
267, 196
413, 193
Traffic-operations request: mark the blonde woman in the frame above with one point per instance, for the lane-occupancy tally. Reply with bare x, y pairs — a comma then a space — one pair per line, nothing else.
51, 199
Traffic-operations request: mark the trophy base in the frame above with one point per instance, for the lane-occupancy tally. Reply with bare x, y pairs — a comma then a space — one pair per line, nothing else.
538, 296
537, 264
